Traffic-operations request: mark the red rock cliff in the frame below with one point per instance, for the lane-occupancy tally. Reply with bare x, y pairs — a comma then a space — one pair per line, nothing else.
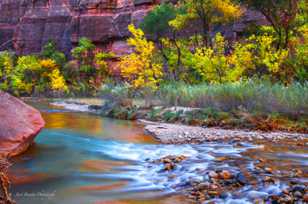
26, 25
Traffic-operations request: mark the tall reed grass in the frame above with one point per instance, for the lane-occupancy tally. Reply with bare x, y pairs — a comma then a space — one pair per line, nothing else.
252, 96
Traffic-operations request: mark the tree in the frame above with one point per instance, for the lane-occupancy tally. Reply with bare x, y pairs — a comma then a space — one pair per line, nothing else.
50, 52
209, 13
156, 24
281, 14
140, 68
84, 52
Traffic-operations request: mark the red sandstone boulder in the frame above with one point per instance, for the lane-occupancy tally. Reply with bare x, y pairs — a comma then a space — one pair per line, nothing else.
19, 124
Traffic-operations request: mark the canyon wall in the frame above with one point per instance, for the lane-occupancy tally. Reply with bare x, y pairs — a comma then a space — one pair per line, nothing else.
27, 25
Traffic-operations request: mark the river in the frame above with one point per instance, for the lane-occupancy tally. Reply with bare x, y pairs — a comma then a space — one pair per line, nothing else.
82, 158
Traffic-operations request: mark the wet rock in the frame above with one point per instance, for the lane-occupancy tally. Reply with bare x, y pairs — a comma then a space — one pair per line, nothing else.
213, 193
95, 107
241, 179
214, 187
225, 175
274, 197
257, 194
19, 125
300, 188
285, 191
213, 174
297, 194
170, 161
305, 198
269, 179
203, 186
286, 199
169, 166
268, 170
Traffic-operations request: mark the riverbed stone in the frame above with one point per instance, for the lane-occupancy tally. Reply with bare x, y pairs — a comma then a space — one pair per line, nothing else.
19, 125
305, 197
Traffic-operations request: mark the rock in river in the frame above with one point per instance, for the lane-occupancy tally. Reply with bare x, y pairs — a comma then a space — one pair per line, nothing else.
19, 124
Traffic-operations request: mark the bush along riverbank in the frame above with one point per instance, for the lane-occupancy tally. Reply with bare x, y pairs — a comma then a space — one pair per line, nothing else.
251, 105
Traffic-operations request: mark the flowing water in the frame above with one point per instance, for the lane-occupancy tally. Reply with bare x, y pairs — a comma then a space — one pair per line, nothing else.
81, 158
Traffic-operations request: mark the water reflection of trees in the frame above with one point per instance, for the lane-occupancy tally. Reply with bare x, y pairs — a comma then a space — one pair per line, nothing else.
74, 121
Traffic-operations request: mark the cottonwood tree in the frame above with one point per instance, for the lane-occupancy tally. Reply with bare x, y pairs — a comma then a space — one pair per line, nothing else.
209, 13
156, 25
281, 14
140, 68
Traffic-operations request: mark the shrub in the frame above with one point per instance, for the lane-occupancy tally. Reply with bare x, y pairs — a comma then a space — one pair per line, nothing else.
50, 52
6, 70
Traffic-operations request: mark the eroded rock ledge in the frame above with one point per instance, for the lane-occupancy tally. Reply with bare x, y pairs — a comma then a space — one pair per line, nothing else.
179, 134
19, 124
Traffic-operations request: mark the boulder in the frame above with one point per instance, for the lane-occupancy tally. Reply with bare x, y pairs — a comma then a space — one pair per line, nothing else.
19, 124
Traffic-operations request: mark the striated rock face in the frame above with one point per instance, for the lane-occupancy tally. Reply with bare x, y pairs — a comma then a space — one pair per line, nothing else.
26, 25
19, 124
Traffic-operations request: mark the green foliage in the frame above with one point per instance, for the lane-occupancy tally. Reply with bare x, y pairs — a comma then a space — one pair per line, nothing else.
154, 114
171, 116
281, 14
156, 22
6, 70
30, 75
50, 52
91, 68
101, 64
26, 74
84, 48
117, 92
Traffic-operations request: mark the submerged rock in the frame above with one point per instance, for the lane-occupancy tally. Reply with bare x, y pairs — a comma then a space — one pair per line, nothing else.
19, 125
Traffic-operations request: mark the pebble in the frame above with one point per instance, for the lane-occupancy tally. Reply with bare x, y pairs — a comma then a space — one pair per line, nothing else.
268, 170
169, 166
268, 179
213, 174
286, 199
298, 194
225, 175
305, 198
203, 186
241, 179
213, 187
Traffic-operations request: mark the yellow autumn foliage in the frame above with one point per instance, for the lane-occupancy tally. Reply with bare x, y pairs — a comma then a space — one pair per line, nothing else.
57, 81
139, 67
48, 64
212, 11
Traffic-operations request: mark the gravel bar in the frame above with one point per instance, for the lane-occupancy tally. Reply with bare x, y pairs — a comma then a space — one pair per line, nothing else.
180, 134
